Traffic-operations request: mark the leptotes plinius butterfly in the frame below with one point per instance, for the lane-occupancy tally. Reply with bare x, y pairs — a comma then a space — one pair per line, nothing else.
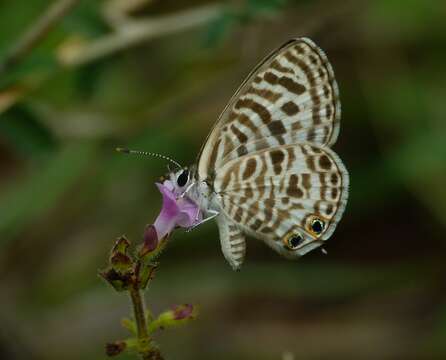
266, 169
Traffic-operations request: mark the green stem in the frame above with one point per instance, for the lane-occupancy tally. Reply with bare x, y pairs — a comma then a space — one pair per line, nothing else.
139, 312
146, 349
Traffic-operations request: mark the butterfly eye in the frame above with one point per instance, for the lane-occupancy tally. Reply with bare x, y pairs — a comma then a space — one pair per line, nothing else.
182, 179
317, 226
293, 241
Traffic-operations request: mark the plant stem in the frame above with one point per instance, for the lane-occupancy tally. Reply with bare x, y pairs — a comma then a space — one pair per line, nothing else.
139, 312
147, 350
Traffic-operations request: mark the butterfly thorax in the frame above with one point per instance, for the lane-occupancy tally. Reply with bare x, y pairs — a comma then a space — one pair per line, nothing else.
202, 194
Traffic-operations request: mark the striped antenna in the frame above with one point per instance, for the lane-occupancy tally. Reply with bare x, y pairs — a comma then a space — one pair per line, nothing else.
146, 153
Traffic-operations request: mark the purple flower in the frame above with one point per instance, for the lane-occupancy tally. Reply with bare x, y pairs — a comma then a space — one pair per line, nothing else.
181, 312
177, 211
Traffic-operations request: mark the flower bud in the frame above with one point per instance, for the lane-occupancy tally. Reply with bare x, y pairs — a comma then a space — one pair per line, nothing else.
150, 241
182, 311
178, 315
115, 348
146, 274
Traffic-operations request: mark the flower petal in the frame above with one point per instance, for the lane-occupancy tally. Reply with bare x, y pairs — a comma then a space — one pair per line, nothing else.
176, 211
166, 220
190, 214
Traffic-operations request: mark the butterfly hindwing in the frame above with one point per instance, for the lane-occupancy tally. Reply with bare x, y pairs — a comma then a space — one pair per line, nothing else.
290, 97
276, 193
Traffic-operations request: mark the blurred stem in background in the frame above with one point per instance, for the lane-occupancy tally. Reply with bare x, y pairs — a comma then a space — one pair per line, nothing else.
36, 32
133, 32
75, 50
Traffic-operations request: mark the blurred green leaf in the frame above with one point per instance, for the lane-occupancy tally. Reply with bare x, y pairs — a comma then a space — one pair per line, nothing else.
25, 134
31, 198
412, 15
86, 19
265, 6
220, 27
434, 343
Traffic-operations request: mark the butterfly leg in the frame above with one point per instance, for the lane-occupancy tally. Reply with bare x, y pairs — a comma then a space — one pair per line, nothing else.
213, 214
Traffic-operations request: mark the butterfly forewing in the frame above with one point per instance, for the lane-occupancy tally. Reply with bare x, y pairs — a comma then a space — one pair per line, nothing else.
290, 97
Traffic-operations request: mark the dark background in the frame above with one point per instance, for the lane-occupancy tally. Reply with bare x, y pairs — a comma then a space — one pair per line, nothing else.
65, 195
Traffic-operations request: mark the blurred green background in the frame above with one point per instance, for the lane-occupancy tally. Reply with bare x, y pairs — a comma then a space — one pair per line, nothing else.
154, 75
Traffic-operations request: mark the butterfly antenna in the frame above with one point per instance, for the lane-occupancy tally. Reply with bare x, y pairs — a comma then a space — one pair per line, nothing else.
146, 153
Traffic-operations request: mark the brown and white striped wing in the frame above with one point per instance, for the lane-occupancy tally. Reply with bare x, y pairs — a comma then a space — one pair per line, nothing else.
233, 242
290, 97
277, 194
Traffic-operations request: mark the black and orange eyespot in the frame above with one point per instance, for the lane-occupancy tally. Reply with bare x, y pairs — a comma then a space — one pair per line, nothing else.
293, 240
316, 225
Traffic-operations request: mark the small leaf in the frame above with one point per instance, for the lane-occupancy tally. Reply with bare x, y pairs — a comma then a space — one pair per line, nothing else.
121, 245
149, 316
120, 260
130, 325
120, 282
121, 263
157, 252
146, 274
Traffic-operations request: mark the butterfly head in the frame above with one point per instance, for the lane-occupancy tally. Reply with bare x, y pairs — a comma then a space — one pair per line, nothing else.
181, 179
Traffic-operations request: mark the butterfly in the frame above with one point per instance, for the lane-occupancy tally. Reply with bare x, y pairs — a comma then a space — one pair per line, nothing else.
266, 169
